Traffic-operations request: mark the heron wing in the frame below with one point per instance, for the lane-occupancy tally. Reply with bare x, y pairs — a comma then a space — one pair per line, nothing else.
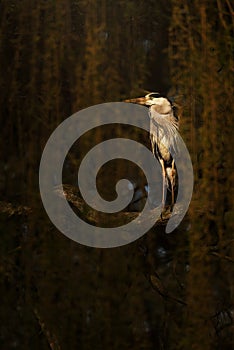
163, 131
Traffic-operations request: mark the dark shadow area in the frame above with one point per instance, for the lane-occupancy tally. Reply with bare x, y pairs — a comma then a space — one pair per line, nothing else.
163, 291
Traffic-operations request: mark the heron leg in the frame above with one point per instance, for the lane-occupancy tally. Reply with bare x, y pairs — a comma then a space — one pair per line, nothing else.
164, 178
172, 177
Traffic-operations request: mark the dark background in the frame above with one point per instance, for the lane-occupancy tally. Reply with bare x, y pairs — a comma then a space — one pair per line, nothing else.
58, 57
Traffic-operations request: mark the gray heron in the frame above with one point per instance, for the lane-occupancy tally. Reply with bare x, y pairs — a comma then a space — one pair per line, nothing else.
163, 137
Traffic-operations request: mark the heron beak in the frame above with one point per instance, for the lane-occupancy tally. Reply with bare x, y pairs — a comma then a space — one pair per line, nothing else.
138, 100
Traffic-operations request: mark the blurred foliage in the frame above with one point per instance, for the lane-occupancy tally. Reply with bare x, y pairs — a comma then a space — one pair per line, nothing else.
163, 291
201, 59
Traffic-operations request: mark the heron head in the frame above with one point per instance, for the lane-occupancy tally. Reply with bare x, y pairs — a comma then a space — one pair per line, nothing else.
156, 101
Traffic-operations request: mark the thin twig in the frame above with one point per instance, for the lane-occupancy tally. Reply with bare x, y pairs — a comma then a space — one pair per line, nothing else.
226, 257
158, 286
51, 338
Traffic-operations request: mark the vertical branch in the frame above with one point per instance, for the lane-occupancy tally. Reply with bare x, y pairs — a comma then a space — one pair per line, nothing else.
221, 14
